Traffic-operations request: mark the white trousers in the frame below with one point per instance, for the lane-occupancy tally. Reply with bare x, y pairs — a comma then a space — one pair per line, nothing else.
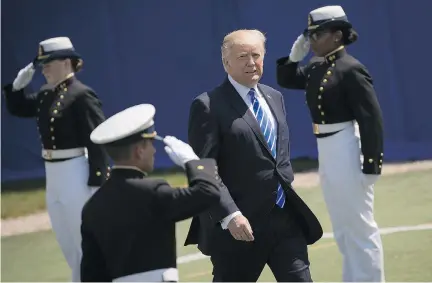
66, 194
350, 201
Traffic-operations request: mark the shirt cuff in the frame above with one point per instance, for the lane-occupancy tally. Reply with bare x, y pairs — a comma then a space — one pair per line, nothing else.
224, 222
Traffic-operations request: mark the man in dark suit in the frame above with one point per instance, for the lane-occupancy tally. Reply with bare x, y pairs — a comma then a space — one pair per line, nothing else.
260, 219
128, 226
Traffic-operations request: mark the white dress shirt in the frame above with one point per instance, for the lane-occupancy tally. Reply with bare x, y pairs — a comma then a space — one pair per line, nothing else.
243, 92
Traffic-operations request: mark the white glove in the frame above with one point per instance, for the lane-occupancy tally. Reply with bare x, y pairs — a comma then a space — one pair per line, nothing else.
179, 152
24, 77
300, 49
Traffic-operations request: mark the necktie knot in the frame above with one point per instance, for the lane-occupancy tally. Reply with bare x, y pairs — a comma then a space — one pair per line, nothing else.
252, 94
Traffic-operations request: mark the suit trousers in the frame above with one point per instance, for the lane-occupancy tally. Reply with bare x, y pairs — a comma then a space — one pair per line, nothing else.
279, 242
349, 198
66, 194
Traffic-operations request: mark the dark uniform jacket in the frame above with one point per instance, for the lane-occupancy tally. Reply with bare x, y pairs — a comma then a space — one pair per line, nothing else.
65, 117
340, 89
128, 225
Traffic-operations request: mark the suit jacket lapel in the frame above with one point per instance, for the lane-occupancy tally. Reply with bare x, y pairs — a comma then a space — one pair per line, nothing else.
278, 116
238, 104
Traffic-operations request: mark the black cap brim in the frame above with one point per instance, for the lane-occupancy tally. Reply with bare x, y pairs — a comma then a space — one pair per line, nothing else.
329, 25
58, 55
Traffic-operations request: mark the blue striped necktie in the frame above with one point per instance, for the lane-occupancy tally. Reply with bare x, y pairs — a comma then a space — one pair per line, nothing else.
269, 133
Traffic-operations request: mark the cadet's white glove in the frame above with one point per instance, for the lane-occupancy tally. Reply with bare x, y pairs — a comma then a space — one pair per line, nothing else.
24, 77
300, 49
179, 152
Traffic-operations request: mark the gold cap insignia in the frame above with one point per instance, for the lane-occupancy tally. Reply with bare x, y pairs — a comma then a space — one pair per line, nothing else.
40, 52
309, 20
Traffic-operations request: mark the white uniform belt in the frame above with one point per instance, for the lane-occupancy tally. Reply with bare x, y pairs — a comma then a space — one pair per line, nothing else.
158, 275
50, 154
330, 128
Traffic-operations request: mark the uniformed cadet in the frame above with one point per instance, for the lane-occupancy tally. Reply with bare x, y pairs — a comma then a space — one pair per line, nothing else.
66, 112
128, 226
339, 94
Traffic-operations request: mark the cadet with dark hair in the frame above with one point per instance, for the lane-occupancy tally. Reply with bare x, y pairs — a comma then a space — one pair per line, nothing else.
340, 94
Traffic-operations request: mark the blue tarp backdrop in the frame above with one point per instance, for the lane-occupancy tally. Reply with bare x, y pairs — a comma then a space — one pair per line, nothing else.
167, 52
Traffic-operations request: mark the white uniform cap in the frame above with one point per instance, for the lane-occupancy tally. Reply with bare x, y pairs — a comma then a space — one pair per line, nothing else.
128, 126
327, 16
56, 44
327, 13
55, 48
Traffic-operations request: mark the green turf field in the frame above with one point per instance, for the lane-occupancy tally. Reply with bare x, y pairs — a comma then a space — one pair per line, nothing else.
24, 197
31, 199
401, 200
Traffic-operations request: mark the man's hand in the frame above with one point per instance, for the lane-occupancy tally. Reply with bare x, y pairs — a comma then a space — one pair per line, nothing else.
240, 229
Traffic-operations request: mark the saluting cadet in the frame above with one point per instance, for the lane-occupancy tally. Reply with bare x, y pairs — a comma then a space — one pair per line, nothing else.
66, 112
128, 225
339, 93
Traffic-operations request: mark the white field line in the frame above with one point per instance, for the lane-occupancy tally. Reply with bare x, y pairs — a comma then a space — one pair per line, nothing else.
383, 231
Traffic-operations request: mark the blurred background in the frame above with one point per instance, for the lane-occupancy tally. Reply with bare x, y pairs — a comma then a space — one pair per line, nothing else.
167, 52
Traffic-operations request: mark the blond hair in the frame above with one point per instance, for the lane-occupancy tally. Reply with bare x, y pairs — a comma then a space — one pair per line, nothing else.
240, 37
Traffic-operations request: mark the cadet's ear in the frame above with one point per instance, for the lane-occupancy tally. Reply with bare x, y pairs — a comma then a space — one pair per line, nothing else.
136, 151
338, 36
141, 148
67, 63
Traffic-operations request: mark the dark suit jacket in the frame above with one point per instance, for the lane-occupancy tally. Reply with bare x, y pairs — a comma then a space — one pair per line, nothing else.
222, 127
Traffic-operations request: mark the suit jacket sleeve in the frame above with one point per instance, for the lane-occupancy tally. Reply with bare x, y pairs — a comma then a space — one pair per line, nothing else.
19, 104
203, 192
290, 74
92, 268
203, 134
90, 115
367, 112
